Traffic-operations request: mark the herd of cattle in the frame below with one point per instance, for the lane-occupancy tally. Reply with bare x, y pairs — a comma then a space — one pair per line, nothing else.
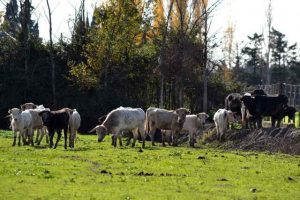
250, 108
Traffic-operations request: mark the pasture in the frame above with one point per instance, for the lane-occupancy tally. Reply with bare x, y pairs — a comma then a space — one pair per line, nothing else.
99, 171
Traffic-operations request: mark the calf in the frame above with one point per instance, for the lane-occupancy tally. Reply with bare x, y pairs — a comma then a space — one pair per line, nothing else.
192, 124
21, 121
56, 121
37, 123
221, 118
287, 111
168, 120
122, 119
233, 103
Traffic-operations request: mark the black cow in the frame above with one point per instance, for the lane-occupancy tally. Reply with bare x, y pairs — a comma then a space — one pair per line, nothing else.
56, 121
260, 106
287, 111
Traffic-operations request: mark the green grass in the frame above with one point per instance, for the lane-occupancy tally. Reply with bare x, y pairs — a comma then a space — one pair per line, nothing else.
98, 171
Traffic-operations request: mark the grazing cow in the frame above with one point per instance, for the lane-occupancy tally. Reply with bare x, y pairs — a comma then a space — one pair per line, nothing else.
122, 119
192, 124
74, 124
222, 117
261, 106
287, 111
37, 123
56, 121
233, 103
27, 106
21, 121
168, 120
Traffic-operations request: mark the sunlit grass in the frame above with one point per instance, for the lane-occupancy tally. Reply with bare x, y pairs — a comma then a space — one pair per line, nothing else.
99, 171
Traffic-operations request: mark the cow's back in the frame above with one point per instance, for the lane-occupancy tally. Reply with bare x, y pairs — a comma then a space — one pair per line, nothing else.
60, 120
163, 118
26, 119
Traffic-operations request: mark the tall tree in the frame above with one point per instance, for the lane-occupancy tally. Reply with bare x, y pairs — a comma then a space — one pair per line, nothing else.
268, 42
51, 55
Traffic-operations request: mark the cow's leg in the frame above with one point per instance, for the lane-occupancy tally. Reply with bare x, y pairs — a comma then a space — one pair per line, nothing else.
192, 136
175, 135
19, 138
128, 140
58, 138
51, 134
152, 133
218, 132
31, 134
42, 133
66, 137
114, 140
38, 135
15, 138
259, 122
163, 138
142, 132
278, 123
47, 135
24, 136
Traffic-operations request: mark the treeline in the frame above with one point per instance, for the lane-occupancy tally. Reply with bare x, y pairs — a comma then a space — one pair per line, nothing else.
131, 53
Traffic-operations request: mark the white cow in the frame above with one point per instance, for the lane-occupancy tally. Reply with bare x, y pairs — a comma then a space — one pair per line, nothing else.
222, 117
166, 120
21, 121
192, 124
122, 119
37, 123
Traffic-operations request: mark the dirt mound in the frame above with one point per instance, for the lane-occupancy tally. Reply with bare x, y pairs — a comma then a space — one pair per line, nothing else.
283, 140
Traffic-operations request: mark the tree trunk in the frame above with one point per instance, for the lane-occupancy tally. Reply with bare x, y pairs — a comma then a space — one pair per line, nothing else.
205, 91
52, 58
161, 97
25, 29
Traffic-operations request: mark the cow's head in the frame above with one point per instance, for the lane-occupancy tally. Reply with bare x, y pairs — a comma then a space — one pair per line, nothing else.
202, 117
181, 113
46, 117
15, 113
234, 102
101, 131
290, 112
27, 106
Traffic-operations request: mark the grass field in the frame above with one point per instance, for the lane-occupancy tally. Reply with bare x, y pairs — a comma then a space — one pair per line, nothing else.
98, 171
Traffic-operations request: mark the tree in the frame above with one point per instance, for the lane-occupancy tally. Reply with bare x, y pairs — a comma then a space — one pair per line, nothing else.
254, 61
51, 56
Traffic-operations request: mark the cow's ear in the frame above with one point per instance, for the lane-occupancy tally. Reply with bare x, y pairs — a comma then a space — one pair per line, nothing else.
9, 111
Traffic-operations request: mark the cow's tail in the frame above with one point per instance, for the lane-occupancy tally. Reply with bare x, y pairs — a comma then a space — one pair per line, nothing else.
147, 126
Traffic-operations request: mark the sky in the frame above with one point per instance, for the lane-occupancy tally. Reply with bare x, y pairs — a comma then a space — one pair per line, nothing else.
247, 16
